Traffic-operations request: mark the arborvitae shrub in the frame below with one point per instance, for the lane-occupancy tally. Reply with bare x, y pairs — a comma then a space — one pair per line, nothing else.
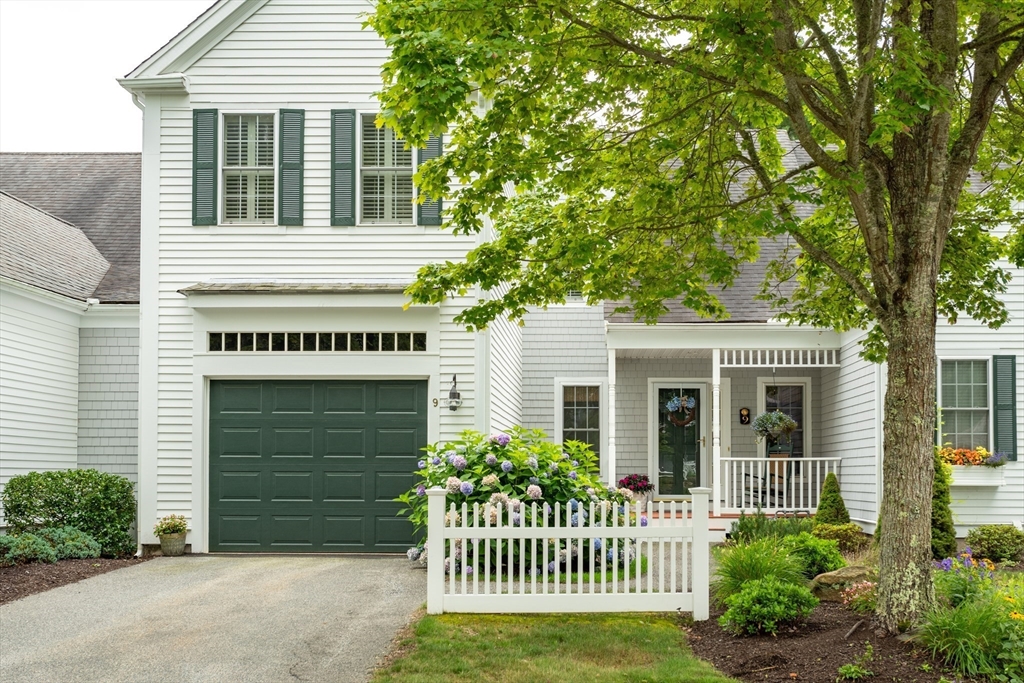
831, 508
943, 532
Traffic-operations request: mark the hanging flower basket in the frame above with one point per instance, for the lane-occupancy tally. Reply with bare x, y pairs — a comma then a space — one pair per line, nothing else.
773, 424
681, 410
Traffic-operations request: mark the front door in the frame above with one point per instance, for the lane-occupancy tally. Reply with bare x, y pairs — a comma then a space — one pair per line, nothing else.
680, 452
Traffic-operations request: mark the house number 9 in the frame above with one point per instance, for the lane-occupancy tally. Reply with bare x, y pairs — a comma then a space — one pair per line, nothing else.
435, 402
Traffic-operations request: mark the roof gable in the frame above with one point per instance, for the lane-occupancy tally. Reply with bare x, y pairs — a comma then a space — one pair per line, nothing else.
43, 251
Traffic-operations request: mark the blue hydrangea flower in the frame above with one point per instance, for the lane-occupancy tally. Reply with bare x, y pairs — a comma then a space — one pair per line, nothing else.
551, 567
573, 503
597, 544
573, 475
516, 519
413, 554
421, 490
466, 488
575, 463
575, 519
436, 460
506, 466
459, 463
611, 555
531, 462
469, 570
534, 480
500, 439
449, 455
421, 464
491, 460
643, 520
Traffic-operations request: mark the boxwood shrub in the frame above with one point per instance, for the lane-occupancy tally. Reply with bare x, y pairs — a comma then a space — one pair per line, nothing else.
100, 504
996, 542
765, 605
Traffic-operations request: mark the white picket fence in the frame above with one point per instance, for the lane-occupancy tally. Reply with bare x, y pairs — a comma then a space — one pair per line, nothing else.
468, 570
773, 484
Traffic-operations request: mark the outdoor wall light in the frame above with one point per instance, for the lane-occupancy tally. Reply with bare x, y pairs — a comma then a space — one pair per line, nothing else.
453, 401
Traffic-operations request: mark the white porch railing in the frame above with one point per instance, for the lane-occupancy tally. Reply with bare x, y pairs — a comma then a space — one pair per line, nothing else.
497, 564
773, 484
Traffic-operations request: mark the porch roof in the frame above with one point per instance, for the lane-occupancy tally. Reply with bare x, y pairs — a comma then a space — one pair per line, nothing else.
689, 340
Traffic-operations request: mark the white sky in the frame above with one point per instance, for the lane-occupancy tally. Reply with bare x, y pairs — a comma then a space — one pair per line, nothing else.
58, 63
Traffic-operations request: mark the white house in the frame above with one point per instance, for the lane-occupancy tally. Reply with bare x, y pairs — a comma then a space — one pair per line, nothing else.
69, 315
285, 392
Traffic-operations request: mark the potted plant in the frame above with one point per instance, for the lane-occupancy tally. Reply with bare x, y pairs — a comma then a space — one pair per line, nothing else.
640, 485
171, 530
773, 424
973, 466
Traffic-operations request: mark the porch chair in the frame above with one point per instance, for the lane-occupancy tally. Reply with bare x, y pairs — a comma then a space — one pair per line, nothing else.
771, 484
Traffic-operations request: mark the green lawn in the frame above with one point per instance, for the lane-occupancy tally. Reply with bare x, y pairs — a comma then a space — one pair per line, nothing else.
632, 648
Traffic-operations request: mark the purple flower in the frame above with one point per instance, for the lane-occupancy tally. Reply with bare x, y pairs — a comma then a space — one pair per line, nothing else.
531, 462
575, 519
643, 520
506, 466
575, 463
421, 490
516, 519
597, 544
469, 570
466, 488
533, 491
551, 567
421, 464
449, 455
573, 475
436, 460
500, 439
573, 503
459, 463
491, 460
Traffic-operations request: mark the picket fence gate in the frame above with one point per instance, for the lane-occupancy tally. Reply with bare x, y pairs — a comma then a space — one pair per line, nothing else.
470, 570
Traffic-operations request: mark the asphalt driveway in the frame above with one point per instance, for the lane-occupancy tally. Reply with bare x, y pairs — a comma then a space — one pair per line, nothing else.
214, 618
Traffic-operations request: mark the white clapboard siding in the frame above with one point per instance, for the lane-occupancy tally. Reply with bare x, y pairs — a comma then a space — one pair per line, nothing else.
973, 506
849, 426
38, 386
290, 54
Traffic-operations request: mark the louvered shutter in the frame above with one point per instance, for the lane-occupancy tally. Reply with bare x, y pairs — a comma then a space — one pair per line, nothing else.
429, 212
204, 167
343, 167
290, 191
1004, 375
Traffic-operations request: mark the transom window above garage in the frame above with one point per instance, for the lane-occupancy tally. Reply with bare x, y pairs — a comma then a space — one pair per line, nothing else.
244, 342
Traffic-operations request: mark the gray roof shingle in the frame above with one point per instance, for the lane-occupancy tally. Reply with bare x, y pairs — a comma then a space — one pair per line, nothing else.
98, 193
43, 251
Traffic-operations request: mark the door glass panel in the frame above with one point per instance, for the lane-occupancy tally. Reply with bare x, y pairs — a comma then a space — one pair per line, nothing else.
790, 400
679, 467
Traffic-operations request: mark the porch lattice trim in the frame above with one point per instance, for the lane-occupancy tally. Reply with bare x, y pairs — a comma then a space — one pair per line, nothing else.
779, 358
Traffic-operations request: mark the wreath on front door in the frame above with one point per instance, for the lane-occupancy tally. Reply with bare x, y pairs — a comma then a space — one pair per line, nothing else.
682, 410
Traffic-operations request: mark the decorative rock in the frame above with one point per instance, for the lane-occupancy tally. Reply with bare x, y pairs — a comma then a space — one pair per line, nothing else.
829, 585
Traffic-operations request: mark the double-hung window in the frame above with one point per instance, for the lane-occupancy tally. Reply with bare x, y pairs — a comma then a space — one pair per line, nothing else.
578, 407
386, 168
964, 399
248, 168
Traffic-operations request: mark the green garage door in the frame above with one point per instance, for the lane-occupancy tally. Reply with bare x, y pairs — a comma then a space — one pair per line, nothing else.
313, 466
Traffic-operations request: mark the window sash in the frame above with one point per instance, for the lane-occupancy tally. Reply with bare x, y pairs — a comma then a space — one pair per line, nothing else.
791, 400
581, 414
248, 174
964, 401
386, 190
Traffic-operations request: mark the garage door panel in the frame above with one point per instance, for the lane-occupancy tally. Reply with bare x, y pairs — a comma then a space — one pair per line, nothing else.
393, 532
236, 397
398, 443
293, 398
345, 443
238, 443
349, 399
239, 486
291, 486
344, 486
291, 530
239, 530
293, 442
398, 398
313, 466
345, 532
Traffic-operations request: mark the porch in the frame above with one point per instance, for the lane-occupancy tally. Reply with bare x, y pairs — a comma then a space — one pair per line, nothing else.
683, 403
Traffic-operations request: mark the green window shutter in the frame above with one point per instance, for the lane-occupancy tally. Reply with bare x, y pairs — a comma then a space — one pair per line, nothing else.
204, 167
429, 212
1004, 380
290, 184
343, 167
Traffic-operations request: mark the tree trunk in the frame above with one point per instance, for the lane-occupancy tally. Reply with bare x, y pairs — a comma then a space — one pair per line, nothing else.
905, 585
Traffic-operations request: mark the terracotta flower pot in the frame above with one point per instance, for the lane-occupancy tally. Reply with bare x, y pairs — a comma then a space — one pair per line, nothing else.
172, 545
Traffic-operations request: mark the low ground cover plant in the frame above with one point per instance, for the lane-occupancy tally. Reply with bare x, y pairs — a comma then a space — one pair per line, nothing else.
857, 669
997, 542
49, 544
100, 504
861, 597
70, 543
817, 555
849, 536
26, 548
766, 605
740, 564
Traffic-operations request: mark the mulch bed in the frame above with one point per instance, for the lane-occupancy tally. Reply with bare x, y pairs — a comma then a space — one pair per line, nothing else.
811, 652
22, 580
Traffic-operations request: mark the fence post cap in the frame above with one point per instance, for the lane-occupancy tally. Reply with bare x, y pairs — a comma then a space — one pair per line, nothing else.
701, 490
436, 491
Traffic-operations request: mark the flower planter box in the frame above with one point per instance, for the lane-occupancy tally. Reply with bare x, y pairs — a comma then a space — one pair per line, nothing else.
977, 475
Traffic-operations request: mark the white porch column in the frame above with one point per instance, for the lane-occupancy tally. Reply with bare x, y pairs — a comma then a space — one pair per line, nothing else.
716, 430
610, 459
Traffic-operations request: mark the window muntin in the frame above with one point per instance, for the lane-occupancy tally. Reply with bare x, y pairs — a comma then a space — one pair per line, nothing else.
248, 170
581, 415
386, 168
964, 403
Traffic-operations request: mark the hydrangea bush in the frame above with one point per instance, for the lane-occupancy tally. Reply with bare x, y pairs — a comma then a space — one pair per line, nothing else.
514, 470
